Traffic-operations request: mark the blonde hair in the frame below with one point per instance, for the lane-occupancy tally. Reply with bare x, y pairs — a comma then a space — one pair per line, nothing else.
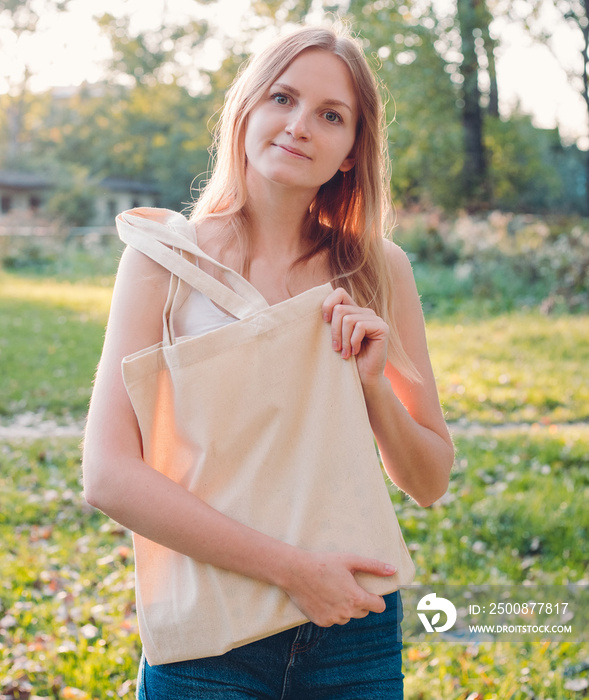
350, 212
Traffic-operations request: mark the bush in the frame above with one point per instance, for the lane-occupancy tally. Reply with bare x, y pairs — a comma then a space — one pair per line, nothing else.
74, 198
508, 260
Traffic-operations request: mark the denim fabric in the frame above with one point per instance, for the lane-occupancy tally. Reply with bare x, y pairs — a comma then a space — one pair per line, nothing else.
356, 661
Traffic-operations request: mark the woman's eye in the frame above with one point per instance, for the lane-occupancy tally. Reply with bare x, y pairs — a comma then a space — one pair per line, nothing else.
333, 117
280, 99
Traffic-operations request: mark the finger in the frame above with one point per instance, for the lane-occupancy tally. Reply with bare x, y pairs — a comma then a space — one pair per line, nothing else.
343, 319
338, 296
377, 604
372, 602
373, 328
336, 317
353, 332
362, 613
372, 566
357, 336
356, 325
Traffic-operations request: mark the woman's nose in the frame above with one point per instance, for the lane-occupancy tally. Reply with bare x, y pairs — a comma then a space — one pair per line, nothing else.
298, 124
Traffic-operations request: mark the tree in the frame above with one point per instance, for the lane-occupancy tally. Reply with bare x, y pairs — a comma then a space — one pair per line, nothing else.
155, 56
538, 18
20, 19
422, 110
474, 174
576, 14
142, 122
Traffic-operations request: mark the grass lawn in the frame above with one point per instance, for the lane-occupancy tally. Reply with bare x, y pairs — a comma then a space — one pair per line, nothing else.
67, 623
67, 627
516, 367
520, 367
52, 334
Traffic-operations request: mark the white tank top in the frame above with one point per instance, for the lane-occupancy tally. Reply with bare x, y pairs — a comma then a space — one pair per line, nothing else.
199, 315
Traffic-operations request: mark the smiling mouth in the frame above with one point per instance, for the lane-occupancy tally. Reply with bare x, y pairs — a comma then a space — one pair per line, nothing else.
293, 151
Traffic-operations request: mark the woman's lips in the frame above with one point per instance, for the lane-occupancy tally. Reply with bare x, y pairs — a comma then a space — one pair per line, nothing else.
293, 151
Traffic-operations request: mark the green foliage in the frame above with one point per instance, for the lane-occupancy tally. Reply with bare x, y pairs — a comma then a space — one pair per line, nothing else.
281, 12
90, 258
523, 176
425, 132
149, 57
154, 133
151, 119
420, 53
73, 199
504, 260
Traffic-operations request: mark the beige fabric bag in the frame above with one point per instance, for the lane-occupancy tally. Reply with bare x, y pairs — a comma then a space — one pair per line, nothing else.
263, 421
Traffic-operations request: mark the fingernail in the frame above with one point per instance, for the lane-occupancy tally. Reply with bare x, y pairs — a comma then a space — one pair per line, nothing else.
325, 316
390, 569
335, 345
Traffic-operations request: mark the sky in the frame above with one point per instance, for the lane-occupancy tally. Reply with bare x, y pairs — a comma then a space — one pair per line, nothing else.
68, 49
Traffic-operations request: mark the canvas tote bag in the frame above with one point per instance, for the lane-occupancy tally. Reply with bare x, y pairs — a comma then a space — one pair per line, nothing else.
266, 423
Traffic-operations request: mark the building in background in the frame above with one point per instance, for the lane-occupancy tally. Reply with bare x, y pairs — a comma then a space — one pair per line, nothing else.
23, 196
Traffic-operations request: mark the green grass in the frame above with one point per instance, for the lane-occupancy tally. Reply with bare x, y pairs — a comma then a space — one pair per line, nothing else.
518, 502
500, 671
66, 599
68, 625
515, 511
51, 339
516, 367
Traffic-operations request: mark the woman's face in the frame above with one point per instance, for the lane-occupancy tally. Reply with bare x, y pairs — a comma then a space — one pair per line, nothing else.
303, 130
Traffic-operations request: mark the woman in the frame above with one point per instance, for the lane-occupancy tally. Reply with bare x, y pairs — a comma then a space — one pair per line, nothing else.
297, 199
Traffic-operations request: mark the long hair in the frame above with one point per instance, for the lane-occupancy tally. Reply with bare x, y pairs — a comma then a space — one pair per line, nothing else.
351, 212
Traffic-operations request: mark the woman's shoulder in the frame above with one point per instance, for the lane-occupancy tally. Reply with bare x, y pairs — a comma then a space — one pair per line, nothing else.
155, 215
397, 260
134, 227
139, 296
212, 233
141, 280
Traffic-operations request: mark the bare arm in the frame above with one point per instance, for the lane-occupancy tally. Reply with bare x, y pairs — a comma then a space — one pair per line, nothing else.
121, 484
406, 417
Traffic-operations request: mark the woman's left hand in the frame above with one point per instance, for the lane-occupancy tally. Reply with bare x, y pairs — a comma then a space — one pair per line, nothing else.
357, 331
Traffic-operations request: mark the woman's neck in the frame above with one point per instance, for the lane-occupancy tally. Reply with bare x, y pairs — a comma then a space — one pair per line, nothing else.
276, 219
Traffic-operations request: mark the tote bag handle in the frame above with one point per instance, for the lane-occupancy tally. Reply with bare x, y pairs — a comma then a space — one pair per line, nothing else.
157, 238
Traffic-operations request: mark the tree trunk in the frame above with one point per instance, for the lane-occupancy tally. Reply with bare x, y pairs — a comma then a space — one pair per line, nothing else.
475, 167
493, 108
584, 27
16, 113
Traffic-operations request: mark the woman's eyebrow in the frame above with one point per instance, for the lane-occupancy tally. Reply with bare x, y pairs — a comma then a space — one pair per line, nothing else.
296, 93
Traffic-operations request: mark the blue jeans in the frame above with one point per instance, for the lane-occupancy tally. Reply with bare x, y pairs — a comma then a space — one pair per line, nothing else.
359, 660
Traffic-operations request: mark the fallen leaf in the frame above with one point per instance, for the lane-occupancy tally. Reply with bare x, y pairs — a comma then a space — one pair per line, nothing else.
414, 654
69, 693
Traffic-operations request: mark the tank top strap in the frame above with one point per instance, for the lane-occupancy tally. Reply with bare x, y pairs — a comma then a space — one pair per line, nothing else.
164, 236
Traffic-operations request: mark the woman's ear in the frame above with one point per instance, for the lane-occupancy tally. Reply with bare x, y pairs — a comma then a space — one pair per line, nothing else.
348, 164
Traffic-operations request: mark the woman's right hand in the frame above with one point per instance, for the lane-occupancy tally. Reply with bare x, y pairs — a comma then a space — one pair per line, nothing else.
323, 587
